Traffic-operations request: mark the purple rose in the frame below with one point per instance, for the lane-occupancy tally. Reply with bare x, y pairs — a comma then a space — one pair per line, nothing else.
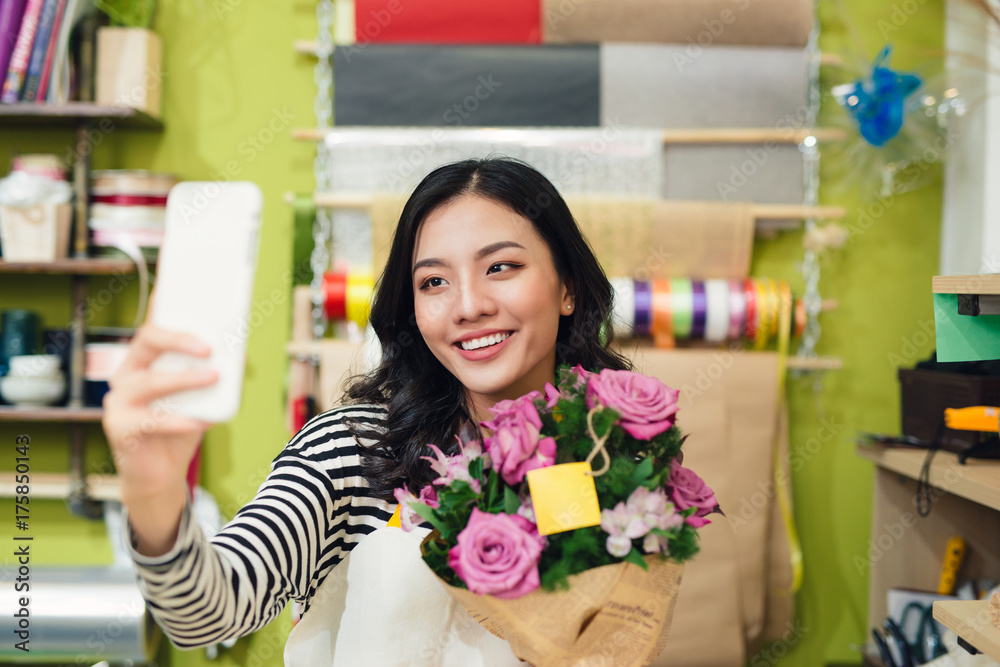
497, 554
688, 490
646, 406
516, 446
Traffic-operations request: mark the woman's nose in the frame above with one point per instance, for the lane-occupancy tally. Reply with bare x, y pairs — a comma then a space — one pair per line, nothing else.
473, 303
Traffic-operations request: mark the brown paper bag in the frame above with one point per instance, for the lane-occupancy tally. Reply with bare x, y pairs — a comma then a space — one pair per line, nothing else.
611, 616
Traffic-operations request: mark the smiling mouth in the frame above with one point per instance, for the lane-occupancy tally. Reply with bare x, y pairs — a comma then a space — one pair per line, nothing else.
485, 341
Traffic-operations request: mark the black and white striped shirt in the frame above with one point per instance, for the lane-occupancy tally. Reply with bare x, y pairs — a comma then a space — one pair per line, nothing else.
312, 509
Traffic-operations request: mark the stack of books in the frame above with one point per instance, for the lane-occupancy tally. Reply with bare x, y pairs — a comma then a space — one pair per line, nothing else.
35, 53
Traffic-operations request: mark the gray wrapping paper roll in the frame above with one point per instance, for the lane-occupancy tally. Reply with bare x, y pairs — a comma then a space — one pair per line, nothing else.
762, 173
694, 22
78, 614
468, 86
658, 85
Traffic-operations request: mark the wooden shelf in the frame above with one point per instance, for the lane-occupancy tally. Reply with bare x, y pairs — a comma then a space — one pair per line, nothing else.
54, 414
55, 486
69, 115
971, 621
709, 136
984, 284
977, 480
85, 266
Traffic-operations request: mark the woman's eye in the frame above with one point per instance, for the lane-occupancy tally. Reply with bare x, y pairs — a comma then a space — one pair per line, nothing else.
498, 264
430, 282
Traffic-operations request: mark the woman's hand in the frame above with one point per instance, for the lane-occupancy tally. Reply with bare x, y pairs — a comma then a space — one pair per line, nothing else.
153, 446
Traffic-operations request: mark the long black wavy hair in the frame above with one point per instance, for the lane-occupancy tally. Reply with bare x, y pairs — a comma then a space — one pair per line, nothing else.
424, 401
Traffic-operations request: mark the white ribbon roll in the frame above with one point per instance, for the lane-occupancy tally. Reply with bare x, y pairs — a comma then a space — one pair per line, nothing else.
623, 316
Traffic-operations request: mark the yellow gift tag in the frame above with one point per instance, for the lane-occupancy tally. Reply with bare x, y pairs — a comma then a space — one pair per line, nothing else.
394, 521
564, 497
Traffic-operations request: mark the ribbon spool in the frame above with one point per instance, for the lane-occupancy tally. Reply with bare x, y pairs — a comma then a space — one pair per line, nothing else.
359, 297
737, 310
717, 306
750, 308
623, 316
663, 314
699, 309
682, 306
643, 308
335, 295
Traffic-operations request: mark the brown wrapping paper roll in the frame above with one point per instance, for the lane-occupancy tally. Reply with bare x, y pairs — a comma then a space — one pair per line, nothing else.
637, 238
695, 22
730, 589
644, 239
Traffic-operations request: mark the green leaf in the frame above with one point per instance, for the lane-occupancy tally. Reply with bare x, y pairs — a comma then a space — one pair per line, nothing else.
428, 514
476, 468
641, 475
511, 502
636, 558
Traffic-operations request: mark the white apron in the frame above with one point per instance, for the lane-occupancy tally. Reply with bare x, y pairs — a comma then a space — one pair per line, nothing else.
382, 606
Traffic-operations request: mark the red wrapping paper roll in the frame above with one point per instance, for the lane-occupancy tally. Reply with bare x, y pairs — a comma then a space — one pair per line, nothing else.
448, 21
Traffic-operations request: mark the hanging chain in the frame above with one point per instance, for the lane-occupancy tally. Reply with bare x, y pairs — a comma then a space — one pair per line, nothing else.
810, 157
319, 261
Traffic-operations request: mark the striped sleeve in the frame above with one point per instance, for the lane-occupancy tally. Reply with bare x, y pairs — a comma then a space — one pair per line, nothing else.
311, 510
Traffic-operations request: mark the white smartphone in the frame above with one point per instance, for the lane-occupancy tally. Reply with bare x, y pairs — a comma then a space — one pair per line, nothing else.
204, 286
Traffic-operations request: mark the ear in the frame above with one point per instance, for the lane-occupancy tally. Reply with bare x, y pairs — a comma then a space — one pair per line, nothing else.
568, 302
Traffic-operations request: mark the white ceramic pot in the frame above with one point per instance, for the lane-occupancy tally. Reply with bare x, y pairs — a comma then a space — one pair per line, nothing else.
35, 365
26, 391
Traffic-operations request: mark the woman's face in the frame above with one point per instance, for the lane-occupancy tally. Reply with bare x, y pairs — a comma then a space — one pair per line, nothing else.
488, 299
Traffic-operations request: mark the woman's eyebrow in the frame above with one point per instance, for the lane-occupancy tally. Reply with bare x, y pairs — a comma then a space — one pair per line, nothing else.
485, 251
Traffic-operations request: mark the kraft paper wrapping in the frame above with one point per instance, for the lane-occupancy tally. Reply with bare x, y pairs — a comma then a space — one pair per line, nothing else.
613, 615
695, 23
638, 238
645, 239
660, 85
731, 594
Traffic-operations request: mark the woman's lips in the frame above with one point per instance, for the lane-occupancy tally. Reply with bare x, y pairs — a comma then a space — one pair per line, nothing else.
484, 352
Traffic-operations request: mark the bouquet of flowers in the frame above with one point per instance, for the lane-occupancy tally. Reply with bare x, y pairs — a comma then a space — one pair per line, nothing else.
570, 564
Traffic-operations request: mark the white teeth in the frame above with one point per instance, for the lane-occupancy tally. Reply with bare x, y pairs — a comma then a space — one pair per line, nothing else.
485, 341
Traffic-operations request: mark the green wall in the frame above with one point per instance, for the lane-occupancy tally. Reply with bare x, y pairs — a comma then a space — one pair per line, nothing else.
231, 76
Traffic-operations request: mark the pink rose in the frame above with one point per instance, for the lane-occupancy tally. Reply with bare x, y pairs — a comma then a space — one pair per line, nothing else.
516, 445
646, 406
552, 395
497, 554
688, 490
522, 406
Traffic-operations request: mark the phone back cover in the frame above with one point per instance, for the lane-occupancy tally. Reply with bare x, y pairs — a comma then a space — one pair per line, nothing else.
204, 288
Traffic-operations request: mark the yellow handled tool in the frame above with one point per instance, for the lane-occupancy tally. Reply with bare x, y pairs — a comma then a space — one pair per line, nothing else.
976, 418
954, 554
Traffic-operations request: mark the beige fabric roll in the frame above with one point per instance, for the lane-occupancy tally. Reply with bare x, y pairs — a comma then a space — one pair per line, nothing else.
696, 22
384, 211
644, 239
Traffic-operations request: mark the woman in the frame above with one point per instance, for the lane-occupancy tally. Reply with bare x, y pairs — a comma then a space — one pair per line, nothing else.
489, 285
